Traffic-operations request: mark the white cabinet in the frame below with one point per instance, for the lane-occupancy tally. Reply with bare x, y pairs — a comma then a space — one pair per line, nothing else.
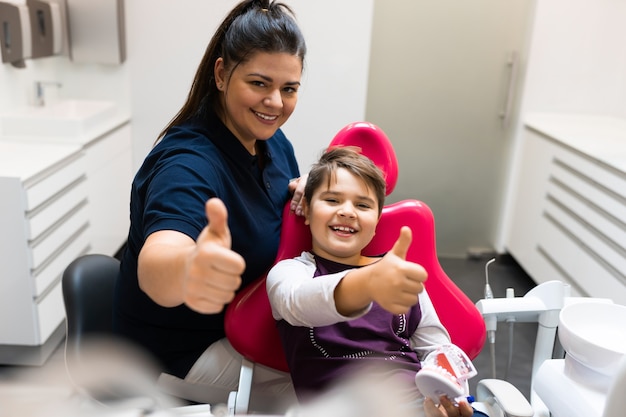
569, 215
60, 198
44, 221
109, 174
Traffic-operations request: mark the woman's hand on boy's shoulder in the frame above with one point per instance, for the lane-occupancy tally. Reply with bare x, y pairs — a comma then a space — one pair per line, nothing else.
296, 187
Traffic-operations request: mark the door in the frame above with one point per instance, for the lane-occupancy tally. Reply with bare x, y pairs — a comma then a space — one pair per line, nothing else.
442, 84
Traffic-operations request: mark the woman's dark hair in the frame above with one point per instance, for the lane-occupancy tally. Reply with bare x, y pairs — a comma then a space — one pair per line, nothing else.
252, 26
349, 158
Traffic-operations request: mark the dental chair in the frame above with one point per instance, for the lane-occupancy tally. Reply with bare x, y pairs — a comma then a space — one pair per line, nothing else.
88, 283
93, 354
258, 340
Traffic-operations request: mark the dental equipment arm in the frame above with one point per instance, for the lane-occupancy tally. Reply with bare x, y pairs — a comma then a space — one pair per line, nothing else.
542, 304
491, 322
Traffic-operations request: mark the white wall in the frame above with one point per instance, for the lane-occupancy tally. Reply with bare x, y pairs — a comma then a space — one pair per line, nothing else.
577, 64
167, 39
165, 42
578, 58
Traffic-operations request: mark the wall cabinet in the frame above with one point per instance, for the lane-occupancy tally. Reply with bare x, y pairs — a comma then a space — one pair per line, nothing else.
569, 216
59, 201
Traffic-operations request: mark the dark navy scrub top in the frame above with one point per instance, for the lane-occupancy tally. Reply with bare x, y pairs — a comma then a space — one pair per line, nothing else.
195, 161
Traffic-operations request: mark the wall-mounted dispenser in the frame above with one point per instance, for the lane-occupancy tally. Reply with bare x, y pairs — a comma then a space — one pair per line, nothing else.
96, 31
15, 36
46, 27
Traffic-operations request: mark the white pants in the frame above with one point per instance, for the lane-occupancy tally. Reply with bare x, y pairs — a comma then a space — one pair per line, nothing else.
216, 373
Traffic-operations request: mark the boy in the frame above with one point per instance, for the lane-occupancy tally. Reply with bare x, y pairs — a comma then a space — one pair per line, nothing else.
339, 311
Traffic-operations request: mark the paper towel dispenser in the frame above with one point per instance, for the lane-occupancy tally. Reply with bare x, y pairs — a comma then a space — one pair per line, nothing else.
91, 31
97, 31
15, 34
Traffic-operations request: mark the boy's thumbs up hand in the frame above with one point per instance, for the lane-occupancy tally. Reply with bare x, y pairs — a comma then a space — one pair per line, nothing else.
402, 245
395, 282
214, 270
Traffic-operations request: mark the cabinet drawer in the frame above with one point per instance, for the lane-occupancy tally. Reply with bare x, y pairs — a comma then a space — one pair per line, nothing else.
594, 172
61, 233
49, 272
64, 175
607, 253
593, 275
544, 268
599, 213
602, 200
108, 147
48, 214
50, 313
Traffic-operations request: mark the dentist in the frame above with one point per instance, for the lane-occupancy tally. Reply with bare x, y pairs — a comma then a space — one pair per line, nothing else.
206, 205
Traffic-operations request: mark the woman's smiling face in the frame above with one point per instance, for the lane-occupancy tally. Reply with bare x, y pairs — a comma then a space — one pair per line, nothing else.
259, 95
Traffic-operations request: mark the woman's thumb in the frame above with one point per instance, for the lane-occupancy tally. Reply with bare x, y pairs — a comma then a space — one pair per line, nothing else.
217, 216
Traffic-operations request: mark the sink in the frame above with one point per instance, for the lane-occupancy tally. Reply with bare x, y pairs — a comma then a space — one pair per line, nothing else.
61, 118
594, 335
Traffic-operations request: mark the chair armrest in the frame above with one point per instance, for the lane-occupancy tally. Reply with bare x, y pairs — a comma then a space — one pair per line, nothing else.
503, 395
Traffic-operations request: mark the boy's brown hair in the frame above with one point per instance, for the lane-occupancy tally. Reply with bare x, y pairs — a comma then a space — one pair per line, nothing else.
349, 158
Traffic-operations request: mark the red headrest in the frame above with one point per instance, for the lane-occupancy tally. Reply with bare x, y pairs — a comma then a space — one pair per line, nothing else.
374, 144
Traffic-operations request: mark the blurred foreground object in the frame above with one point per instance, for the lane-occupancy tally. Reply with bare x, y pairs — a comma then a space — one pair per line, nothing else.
111, 378
367, 393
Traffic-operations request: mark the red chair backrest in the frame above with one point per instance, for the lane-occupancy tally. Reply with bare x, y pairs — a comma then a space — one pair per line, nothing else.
249, 324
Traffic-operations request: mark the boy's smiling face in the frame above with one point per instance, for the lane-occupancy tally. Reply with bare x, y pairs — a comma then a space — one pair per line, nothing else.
342, 217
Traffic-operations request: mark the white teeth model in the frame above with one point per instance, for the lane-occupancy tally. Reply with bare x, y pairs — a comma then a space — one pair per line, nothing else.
445, 371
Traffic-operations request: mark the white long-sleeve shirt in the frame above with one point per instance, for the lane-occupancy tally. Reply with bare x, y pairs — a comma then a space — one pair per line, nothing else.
303, 301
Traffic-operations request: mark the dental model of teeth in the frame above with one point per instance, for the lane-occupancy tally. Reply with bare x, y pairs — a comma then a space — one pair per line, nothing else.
445, 371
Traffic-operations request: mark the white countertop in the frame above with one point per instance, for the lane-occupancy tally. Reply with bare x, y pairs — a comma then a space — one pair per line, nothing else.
600, 137
101, 123
23, 156
23, 160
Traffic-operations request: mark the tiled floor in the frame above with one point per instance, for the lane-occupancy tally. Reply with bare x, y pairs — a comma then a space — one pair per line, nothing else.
469, 275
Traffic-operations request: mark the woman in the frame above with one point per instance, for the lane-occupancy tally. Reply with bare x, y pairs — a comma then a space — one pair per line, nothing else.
206, 204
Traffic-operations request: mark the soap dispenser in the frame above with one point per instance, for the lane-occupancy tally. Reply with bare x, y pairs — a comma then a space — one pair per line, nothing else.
15, 36
46, 28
